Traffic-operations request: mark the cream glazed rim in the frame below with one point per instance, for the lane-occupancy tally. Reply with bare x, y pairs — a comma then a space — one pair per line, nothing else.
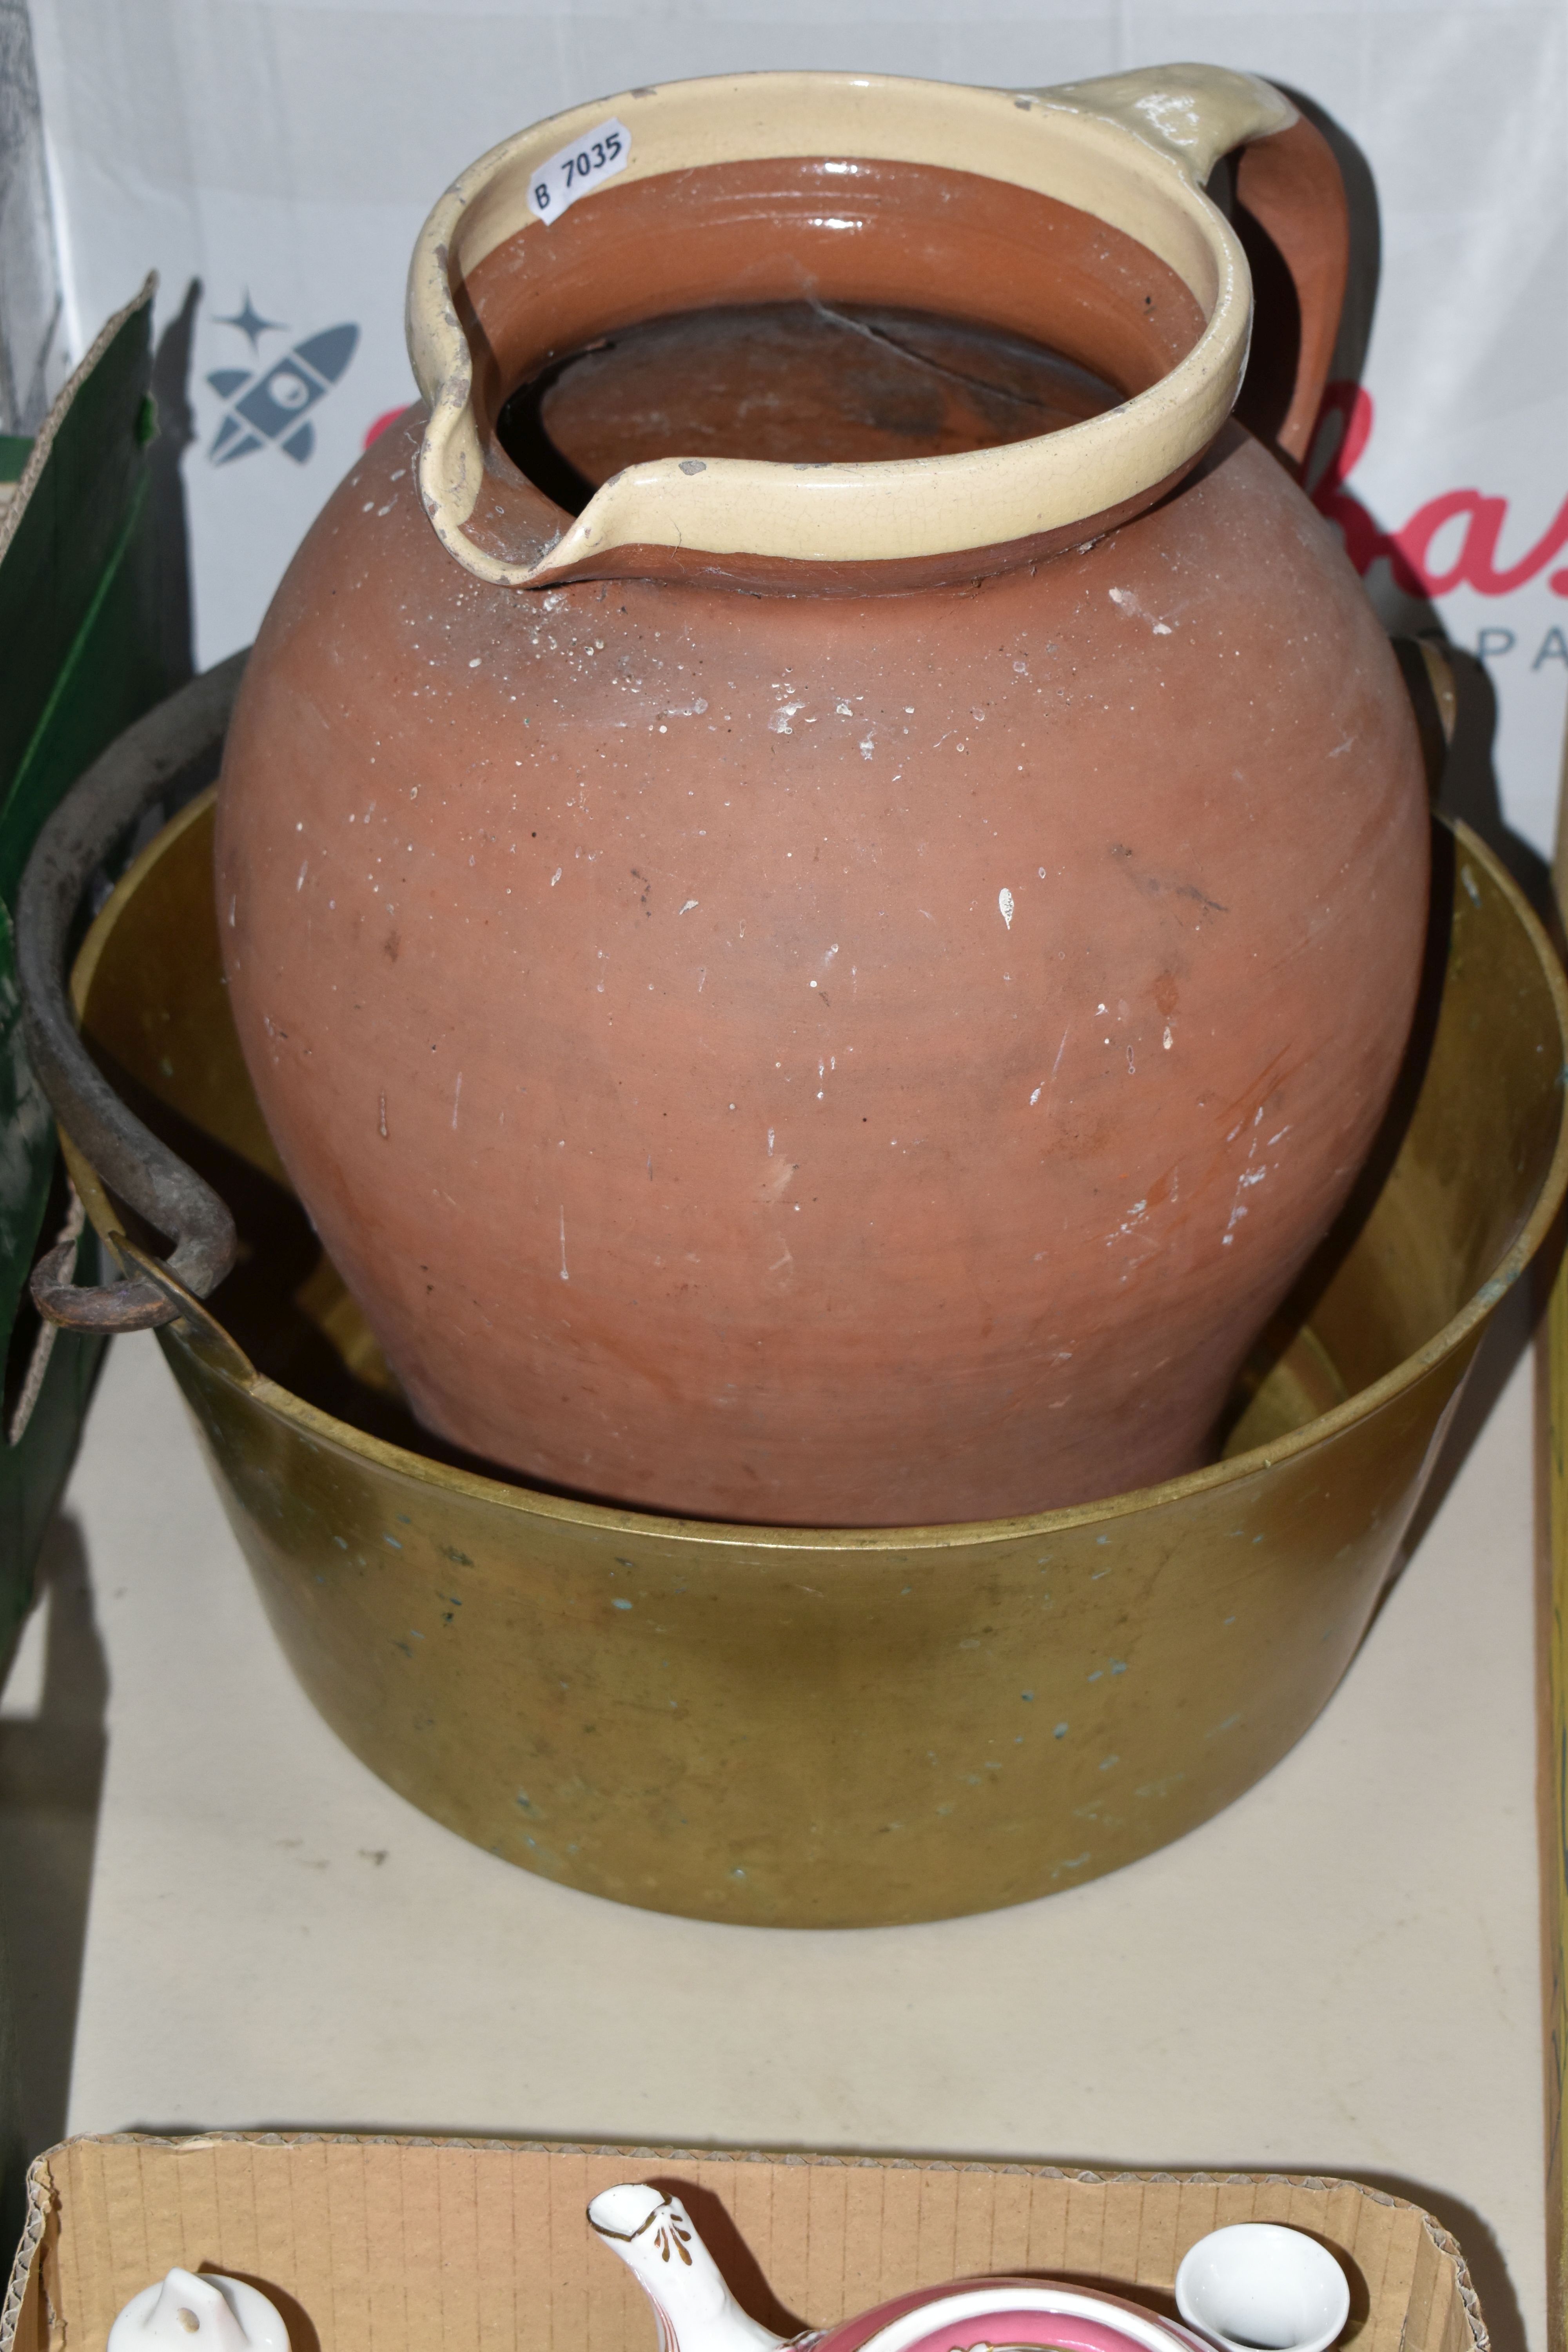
1133, 149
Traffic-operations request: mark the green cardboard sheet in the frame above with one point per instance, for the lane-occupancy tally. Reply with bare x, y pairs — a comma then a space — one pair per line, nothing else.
82, 654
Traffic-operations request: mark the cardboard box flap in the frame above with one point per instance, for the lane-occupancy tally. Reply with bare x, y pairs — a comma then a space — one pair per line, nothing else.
424, 2245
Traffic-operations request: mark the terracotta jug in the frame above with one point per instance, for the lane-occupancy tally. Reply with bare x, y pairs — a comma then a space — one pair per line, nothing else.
1282, 2287
840, 983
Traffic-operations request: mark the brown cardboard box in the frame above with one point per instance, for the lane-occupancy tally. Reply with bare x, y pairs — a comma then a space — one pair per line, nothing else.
425, 2245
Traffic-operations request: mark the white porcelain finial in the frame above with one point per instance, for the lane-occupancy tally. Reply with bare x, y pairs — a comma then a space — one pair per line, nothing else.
657, 2239
191, 2311
1260, 2288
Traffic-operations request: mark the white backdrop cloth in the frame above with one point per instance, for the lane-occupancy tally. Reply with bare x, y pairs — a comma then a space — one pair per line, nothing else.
284, 152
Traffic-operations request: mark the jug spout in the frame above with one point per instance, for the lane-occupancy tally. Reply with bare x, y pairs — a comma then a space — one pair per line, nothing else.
656, 2238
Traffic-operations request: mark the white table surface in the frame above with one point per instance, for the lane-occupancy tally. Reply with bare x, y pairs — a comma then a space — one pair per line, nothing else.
216, 1917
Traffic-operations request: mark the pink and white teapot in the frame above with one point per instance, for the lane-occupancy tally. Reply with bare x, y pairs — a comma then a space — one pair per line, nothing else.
1254, 2287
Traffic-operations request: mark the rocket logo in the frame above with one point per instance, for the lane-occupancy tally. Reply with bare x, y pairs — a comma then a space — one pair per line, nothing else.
274, 403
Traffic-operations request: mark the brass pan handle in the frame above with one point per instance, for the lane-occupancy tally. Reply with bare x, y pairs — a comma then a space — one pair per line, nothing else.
143, 766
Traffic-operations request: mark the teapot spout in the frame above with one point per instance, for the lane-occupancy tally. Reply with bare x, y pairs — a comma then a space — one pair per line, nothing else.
658, 2240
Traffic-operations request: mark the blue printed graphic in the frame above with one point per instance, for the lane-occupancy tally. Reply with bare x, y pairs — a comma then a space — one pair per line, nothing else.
274, 405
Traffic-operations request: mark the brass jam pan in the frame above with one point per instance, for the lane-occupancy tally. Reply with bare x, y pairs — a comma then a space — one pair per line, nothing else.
838, 1728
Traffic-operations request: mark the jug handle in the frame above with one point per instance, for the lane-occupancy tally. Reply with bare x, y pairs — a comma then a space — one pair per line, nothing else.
1291, 185
1287, 180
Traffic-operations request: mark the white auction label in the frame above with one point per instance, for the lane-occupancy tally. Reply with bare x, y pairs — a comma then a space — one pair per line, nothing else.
598, 155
